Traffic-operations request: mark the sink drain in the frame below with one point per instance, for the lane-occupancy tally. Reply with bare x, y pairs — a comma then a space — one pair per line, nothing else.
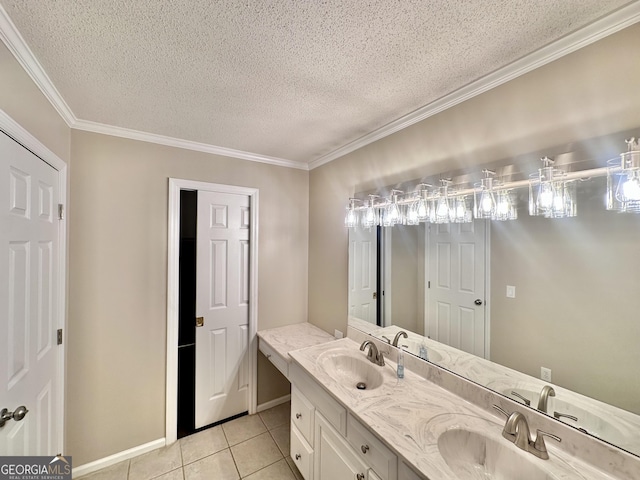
361, 386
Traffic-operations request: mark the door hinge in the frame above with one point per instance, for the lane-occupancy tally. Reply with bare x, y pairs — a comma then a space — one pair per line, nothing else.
429, 284
60, 211
59, 336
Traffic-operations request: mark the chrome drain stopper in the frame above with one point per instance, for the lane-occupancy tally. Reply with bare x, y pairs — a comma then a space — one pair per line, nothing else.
361, 386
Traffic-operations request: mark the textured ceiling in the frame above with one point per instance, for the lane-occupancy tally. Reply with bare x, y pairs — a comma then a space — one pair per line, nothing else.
292, 79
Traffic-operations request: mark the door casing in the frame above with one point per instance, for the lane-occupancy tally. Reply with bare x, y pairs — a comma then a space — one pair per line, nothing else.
173, 231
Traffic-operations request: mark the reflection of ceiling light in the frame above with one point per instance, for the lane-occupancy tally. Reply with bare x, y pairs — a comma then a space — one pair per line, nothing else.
623, 180
442, 203
505, 206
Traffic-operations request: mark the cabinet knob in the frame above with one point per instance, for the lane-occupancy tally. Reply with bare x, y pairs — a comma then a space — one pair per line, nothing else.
298, 416
298, 457
360, 476
364, 448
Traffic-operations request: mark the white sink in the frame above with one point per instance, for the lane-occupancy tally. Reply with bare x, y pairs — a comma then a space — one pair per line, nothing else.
351, 368
473, 456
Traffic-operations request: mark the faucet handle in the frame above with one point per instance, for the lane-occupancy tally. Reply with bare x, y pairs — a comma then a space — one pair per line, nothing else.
539, 447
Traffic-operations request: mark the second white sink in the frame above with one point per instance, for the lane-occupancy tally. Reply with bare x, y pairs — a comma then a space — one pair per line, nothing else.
473, 456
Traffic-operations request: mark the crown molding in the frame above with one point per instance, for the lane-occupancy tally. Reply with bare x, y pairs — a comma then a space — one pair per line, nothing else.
616, 21
23, 54
21, 51
185, 144
605, 26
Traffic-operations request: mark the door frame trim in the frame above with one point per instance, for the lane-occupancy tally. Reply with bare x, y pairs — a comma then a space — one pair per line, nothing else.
30, 142
173, 231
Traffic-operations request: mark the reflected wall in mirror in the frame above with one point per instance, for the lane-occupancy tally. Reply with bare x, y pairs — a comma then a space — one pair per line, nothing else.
560, 294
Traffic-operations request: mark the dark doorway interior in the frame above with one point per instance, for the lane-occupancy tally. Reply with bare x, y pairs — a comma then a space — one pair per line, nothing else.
187, 314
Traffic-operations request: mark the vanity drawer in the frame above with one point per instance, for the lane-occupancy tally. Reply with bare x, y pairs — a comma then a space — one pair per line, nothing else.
302, 413
371, 450
301, 454
278, 360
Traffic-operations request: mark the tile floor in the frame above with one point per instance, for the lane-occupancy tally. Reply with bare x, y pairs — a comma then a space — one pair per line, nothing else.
253, 447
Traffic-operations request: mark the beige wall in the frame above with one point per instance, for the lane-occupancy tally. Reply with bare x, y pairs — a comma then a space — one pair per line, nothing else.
589, 93
23, 101
576, 306
407, 277
118, 279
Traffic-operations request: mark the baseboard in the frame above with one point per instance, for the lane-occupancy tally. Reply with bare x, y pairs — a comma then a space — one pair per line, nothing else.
88, 468
273, 403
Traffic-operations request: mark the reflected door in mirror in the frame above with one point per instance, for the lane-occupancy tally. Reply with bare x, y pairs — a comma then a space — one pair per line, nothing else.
363, 270
456, 266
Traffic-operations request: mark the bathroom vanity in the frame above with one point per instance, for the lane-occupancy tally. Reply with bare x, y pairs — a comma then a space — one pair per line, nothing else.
413, 428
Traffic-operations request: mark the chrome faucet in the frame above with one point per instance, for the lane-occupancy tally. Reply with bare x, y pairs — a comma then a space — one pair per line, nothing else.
547, 391
401, 333
516, 430
374, 355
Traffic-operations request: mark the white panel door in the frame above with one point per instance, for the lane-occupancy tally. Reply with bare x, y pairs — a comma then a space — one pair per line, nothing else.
222, 299
28, 301
456, 288
363, 274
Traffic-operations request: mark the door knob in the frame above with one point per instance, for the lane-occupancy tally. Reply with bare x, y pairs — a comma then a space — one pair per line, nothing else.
17, 415
478, 301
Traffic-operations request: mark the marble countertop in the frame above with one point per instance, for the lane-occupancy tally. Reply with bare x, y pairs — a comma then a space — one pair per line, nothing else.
294, 337
616, 425
410, 414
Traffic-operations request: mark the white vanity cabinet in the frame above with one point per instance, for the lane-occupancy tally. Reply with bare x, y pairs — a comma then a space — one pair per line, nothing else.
327, 443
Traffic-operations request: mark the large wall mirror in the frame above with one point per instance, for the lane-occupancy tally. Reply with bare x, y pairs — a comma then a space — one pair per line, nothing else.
517, 305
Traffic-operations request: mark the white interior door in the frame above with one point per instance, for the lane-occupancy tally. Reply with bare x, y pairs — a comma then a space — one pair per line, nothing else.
362, 273
222, 300
456, 285
29, 369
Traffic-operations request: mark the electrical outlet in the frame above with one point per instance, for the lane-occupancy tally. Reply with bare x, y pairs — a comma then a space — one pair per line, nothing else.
511, 291
545, 374
338, 334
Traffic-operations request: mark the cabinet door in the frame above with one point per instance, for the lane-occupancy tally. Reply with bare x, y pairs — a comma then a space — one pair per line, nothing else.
334, 457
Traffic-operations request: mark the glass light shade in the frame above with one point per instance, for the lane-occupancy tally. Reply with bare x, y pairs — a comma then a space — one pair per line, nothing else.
505, 206
484, 198
411, 218
460, 212
442, 214
370, 218
623, 183
422, 208
351, 218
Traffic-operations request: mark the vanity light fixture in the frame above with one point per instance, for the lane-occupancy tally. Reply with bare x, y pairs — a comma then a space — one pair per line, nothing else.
552, 194
623, 180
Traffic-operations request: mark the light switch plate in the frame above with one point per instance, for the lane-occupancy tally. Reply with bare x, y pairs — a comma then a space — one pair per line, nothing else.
511, 291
